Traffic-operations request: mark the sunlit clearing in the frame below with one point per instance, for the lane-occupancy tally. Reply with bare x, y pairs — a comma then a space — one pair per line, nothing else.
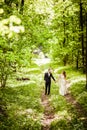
42, 61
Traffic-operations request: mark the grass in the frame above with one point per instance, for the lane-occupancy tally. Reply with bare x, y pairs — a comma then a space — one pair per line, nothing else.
21, 100
79, 91
66, 114
23, 104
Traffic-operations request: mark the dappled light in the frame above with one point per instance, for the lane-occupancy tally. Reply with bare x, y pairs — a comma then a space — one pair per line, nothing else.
8, 28
15, 19
43, 65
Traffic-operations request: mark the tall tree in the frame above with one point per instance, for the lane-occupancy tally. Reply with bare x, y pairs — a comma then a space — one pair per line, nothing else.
86, 50
82, 35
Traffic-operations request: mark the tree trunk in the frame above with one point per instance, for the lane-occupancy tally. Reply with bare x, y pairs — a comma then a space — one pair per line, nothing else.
77, 61
86, 50
64, 40
82, 36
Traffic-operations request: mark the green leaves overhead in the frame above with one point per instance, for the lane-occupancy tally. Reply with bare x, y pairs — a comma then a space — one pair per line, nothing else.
11, 26
54, 26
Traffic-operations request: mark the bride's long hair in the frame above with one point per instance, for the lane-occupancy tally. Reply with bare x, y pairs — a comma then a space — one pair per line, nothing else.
64, 73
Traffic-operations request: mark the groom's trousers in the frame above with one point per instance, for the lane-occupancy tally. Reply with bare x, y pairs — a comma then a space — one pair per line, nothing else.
47, 88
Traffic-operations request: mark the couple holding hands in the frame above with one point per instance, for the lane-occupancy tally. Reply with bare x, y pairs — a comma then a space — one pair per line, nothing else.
62, 82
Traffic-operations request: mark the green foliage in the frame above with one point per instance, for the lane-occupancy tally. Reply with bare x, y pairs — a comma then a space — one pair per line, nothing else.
54, 27
79, 91
65, 124
8, 58
65, 27
24, 110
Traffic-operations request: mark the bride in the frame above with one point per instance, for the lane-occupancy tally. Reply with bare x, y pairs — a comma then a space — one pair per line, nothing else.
63, 83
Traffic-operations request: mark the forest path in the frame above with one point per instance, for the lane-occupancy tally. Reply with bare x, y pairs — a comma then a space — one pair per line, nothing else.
48, 112
81, 114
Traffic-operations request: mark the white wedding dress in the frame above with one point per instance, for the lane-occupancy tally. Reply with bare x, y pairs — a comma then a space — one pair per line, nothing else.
62, 85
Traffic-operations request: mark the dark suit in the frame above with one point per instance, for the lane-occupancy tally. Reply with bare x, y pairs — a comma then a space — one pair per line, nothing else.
47, 78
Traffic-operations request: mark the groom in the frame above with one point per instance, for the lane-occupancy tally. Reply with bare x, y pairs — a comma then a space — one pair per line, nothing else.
47, 77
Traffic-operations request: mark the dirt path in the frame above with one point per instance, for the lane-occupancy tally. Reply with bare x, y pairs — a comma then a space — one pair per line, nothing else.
48, 112
82, 114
